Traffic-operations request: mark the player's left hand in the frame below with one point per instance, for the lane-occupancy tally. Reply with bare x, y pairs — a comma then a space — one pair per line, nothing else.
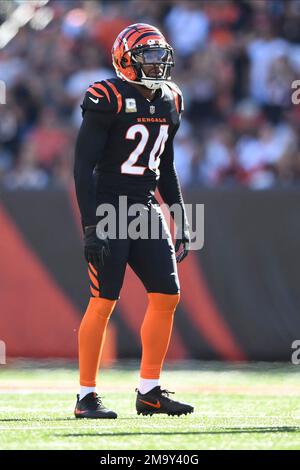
182, 238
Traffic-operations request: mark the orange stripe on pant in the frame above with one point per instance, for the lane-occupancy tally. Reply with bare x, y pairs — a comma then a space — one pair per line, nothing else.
91, 338
94, 281
156, 333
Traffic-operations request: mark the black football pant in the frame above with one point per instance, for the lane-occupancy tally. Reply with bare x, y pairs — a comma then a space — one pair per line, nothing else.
152, 259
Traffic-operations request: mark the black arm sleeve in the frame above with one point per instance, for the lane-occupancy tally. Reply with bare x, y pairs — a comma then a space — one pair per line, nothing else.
90, 143
168, 184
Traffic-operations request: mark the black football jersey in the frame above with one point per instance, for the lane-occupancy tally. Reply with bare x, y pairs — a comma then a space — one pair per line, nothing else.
139, 132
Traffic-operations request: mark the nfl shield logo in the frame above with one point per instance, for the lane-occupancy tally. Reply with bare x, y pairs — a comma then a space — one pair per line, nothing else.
152, 109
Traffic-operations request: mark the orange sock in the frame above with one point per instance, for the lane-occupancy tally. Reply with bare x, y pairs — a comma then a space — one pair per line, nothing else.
156, 333
91, 338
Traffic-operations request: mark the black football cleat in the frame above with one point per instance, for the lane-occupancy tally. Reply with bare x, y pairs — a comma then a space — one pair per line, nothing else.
157, 401
92, 407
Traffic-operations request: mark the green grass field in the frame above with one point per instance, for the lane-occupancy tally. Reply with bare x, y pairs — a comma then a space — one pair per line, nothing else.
236, 407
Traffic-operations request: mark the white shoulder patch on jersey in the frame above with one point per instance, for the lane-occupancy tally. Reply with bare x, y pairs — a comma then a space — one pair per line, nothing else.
130, 105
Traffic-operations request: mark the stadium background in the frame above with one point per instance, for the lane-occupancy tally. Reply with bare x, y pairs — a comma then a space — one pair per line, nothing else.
237, 152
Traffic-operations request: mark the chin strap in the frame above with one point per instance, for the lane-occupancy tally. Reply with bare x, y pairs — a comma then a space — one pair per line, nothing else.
151, 85
147, 81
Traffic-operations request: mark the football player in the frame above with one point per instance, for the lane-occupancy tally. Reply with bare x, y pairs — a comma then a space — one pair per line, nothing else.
125, 147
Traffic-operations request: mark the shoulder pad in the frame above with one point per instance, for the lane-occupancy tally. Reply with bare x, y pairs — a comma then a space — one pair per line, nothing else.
177, 96
102, 97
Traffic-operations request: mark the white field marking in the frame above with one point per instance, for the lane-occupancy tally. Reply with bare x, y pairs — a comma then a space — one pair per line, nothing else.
94, 431
145, 428
292, 391
42, 422
61, 413
159, 420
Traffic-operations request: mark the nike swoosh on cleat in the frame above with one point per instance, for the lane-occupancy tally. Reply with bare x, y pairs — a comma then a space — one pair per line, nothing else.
80, 412
155, 405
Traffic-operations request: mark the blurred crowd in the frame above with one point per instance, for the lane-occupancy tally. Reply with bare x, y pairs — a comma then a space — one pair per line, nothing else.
236, 61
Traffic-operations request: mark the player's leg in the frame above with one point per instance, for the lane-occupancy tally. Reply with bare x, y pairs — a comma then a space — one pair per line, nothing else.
153, 260
105, 285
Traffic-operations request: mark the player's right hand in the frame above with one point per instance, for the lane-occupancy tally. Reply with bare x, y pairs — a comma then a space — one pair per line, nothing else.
95, 248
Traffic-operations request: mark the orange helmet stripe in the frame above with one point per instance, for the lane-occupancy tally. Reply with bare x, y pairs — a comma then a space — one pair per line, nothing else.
144, 38
134, 35
137, 30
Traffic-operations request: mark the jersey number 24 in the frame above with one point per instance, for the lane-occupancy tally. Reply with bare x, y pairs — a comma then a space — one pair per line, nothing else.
129, 166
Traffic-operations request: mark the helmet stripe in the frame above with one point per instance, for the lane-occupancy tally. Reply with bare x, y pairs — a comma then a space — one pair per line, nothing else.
145, 35
139, 27
127, 30
130, 33
135, 35
138, 30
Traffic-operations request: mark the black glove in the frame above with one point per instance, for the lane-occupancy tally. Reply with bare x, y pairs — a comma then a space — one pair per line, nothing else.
182, 238
95, 248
